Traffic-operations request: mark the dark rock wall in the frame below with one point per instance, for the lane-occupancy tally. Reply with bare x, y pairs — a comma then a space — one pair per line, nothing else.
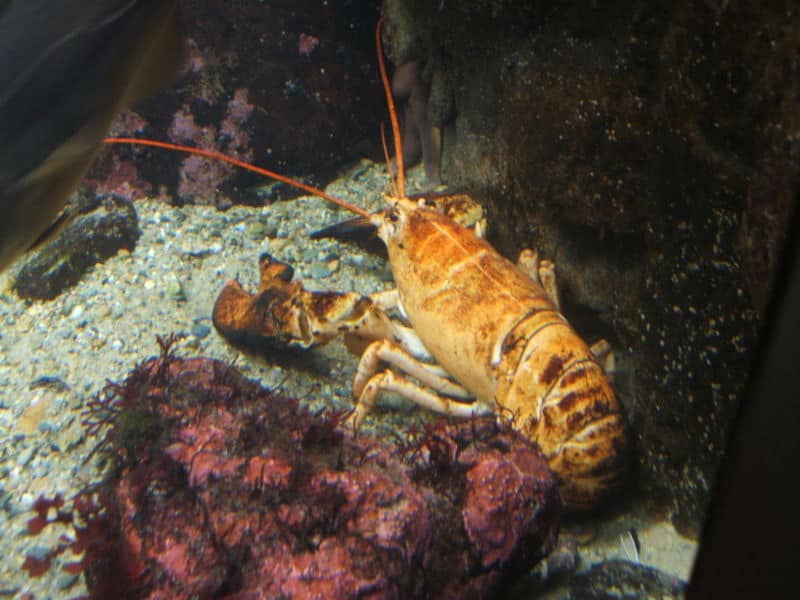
651, 151
289, 85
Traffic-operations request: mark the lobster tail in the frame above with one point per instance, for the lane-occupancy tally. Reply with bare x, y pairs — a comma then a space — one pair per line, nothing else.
582, 433
560, 397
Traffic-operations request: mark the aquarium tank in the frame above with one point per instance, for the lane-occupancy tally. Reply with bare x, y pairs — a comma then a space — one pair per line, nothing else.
396, 299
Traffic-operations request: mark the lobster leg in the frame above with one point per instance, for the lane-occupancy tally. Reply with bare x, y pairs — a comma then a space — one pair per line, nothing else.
390, 352
448, 398
358, 339
542, 272
389, 301
602, 351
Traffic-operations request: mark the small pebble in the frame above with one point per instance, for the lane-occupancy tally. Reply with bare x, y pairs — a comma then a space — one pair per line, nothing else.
66, 581
191, 342
257, 230
176, 291
25, 457
200, 330
320, 270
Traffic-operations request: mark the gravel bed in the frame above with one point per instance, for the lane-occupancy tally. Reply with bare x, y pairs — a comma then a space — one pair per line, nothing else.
54, 356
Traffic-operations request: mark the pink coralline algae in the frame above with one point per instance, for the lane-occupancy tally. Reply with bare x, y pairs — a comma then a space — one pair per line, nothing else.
223, 489
201, 178
232, 129
128, 123
122, 180
305, 84
114, 175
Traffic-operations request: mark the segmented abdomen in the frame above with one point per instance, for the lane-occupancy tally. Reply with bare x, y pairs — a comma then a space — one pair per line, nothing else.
558, 395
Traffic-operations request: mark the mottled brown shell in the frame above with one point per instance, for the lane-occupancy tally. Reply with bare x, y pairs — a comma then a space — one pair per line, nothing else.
497, 333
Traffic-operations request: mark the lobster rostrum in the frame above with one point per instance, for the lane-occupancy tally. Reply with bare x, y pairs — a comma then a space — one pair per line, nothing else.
476, 334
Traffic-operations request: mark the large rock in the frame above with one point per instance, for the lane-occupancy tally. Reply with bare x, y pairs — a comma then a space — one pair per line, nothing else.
103, 227
222, 488
623, 580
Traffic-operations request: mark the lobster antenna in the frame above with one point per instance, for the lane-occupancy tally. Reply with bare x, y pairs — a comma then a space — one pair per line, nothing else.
242, 165
388, 162
387, 88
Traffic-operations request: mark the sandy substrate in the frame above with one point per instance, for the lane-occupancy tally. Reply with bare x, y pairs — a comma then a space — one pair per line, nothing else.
54, 356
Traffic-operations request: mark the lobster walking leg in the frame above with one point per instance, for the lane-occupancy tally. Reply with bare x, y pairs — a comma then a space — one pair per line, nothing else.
387, 299
542, 272
358, 339
602, 351
449, 397
393, 354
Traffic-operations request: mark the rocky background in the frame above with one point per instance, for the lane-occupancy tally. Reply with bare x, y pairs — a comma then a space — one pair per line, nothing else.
651, 151
290, 85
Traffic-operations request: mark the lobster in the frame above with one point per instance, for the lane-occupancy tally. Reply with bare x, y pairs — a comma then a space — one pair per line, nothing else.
478, 334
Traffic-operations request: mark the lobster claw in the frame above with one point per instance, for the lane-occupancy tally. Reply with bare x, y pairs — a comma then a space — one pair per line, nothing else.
282, 319
272, 269
258, 322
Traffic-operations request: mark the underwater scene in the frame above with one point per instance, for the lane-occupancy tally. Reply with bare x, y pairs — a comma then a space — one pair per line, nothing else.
360, 299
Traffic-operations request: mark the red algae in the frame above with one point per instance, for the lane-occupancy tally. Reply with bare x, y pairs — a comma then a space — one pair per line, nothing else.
222, 488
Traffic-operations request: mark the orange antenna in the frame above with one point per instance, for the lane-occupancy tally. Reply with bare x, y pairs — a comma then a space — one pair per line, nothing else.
387, 88
242, 165
386, 159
